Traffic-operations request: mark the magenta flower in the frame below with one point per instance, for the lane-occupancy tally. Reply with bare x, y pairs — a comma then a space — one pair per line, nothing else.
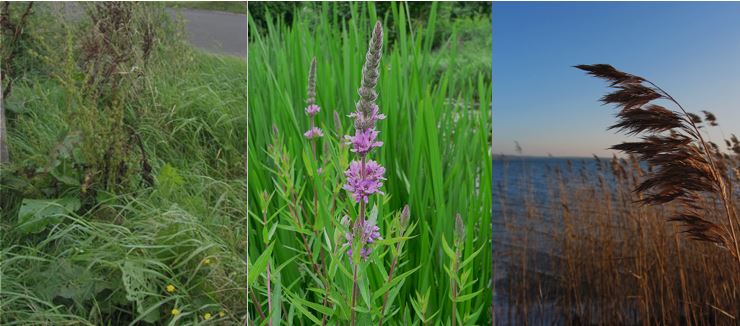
363, 141
367, 119
312, 109
363, 183
364, 177
313, 133
369, 233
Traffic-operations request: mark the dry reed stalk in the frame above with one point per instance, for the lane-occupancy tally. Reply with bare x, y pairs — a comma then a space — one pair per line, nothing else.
627, 271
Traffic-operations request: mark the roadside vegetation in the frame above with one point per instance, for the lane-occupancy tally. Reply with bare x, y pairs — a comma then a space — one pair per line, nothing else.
123, 198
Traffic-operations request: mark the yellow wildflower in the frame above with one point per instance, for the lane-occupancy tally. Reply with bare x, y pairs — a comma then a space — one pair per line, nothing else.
207, 261
170, 288
175, 312
207, 316
221, 314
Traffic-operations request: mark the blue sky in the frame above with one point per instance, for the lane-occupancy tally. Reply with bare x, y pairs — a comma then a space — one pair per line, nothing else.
692, 50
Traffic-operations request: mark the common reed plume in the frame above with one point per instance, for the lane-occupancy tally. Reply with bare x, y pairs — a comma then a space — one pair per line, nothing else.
365, 177
686, 165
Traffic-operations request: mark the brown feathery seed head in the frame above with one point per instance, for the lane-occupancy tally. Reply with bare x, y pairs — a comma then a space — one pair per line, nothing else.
631, 96
609, 73
709, 116
681, 163
653, 118
700, 229
694, 117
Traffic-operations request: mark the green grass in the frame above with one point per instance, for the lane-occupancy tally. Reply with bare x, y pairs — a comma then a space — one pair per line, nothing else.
437, 157
237, 7
69, 259
474, 50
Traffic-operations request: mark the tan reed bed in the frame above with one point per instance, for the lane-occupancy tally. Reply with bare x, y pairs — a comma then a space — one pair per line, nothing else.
607, 248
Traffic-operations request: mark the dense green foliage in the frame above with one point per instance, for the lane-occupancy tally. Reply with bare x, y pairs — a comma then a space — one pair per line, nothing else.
127, 174
437, 155
263, 11
471, 21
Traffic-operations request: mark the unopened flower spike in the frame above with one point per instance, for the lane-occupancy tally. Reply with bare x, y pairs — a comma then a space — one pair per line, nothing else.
459, 229
404, 218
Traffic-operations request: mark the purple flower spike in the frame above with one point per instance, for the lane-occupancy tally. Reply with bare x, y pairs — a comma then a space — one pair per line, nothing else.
364, 176
312, 109
370, 233
369, 118
374, 114
362, 185
313, 133
363, 141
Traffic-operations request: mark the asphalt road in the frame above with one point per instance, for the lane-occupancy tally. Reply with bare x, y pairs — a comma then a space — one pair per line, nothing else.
215, 31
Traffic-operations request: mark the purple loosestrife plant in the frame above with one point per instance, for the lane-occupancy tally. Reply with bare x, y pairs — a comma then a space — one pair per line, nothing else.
312, 109
365, 177
369, 234
364, 181
312, 134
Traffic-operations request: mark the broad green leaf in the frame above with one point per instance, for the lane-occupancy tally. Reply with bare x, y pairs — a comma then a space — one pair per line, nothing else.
36, 214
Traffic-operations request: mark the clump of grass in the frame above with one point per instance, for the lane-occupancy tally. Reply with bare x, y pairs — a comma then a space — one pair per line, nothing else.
396, 255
